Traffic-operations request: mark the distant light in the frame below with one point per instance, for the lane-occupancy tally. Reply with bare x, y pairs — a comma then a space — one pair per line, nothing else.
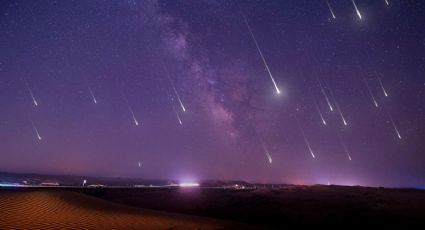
188, 184
9, 185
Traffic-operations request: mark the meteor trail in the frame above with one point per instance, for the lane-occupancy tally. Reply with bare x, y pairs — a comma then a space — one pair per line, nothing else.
357, 10
370, 93
330, 9
340, 113
305, 138
177, 115
91, 91
259, 50
394, 126
380, 83
139, 164
173, 86
35, 130
266, 151
338, 108
130, 109
325, 95
319, 111
31, 94
386, 2
344, 146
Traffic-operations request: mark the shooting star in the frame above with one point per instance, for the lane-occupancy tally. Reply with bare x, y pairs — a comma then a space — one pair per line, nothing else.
305, 138
139, 164
173, 86
35, 130
30, 92
130, 109
340, 113
266, 151
370, 93
259, 50
325, 95
338, 108
380, 83
357, 10
319, 111
344, 146
90, 91
394, 126
386, 2
178, 116
330, 9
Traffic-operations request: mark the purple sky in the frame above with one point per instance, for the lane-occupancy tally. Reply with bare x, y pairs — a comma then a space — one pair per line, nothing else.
65, 55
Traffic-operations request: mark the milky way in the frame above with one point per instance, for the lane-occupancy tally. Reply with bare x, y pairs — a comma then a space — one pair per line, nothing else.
186, 87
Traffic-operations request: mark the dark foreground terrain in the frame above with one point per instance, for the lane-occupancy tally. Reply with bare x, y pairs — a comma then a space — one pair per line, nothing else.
51, 208
280, 207
266, 207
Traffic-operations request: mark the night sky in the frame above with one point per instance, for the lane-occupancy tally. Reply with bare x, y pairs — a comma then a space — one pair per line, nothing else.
179, 90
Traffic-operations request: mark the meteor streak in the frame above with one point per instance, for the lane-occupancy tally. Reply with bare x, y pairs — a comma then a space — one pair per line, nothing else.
380, 83
178, 116
130, 109
31, 94
357, 10
344, 146
307, 143
173, 86
338, 108
325, 95
394, 126
266, 151
35, 130
91, 91
386, 2
370, 93
330, 9
259, 50
319, 111
139, 164
340, 113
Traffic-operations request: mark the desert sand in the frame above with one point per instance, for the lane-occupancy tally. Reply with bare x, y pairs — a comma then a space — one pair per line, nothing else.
57, 209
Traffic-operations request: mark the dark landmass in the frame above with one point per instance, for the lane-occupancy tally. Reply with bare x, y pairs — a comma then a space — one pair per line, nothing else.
269, 206
280, 207
48, 208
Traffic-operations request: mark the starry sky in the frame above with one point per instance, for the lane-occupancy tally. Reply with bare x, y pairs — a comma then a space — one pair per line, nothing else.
179, 90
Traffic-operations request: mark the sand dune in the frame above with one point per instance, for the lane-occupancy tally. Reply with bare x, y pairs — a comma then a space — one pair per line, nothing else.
55, 209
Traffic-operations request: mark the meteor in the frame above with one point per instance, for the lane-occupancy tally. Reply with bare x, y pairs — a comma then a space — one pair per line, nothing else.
139, 164
370, 93
344, 146
30, 92
259, 50
35, 130
178, 116
338, 108
380, 83
90, 91
173, 86
394, 126
319, 111
325, 95
130, 109
357, 10
386, 2
266, 151
340, 113
330, 9
307, 143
